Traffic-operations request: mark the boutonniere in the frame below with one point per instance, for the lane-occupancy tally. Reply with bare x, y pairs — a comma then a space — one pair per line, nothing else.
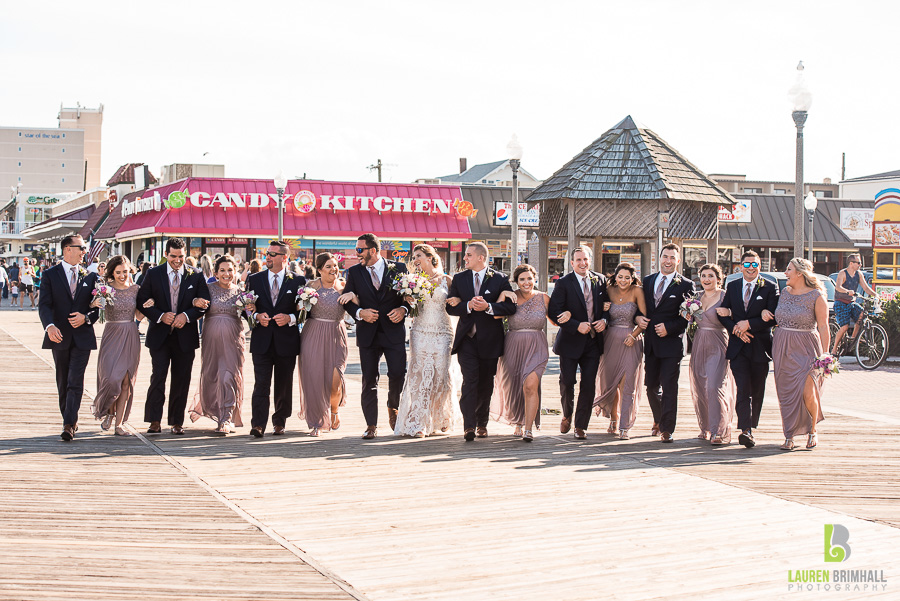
489, 273
677, 280
288, 275
760, 282
188, 270
594, 280
82, 272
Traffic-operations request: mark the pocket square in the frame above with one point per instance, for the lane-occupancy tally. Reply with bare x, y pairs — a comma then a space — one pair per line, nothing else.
84, 285
486, 292
289, 292
673, 296
191, 286
758, 298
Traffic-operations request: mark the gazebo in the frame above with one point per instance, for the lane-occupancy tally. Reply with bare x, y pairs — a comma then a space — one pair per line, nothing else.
629, 184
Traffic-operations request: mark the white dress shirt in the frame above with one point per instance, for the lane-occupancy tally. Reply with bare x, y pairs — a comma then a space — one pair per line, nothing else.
169, 272
481, 276
587, 278
380, 265
68, 269
281, 279
668, 279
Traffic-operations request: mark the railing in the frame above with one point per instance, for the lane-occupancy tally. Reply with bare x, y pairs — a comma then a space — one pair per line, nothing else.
13, 227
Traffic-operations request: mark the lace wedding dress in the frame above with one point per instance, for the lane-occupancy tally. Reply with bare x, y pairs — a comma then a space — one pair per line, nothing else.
429, 401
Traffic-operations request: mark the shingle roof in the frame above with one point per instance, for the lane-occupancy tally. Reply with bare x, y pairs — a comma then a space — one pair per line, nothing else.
885, 175
629, 162
94, 221
115, 220
773, 223
473, 175
125, 175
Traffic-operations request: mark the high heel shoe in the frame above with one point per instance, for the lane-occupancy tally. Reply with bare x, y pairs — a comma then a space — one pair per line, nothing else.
527, 436
813, 441
613, 426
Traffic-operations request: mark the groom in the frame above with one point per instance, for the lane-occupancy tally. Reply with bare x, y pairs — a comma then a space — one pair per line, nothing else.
68, 319
380, 329
478, 343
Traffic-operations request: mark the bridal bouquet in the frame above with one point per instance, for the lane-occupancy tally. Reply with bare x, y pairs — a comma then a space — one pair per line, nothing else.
826, 365
104, 292
689, 309
416, 288
305, 301
244, 300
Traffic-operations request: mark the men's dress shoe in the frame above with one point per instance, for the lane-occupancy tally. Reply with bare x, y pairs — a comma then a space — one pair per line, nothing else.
392, 417
470, 435
370, 433
256, 432
579, 434
565, 425
481, 432
177, 430
746, 439
154, 428
655, 430
278, 431
68, 433
666, 437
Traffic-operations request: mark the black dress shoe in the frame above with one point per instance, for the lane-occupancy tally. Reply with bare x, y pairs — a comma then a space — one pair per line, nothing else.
256, 432
68, 433
154, 428
177, 430
746, 439
666, 437
469, 435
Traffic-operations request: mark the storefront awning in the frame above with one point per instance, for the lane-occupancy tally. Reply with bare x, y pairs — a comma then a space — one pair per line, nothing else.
314, 209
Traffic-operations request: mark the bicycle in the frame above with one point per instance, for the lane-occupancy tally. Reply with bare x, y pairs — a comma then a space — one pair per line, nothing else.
870, 345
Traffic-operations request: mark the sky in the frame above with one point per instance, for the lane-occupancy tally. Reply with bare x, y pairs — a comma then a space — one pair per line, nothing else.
325, 89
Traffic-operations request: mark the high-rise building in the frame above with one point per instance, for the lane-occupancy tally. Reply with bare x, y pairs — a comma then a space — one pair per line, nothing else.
91, 122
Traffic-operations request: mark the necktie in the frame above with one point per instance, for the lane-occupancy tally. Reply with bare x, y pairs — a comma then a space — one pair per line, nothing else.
747, 292
588, 300
176, 283
274, 288
477, 291
375, 281
73, 282
659, 288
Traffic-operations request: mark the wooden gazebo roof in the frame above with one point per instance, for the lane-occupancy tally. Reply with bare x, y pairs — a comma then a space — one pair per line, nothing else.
621, 180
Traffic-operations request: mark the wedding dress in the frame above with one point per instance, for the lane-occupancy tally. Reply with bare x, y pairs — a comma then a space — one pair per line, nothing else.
430, 398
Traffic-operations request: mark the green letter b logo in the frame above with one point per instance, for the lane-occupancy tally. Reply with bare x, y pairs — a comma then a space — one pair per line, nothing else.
837, 546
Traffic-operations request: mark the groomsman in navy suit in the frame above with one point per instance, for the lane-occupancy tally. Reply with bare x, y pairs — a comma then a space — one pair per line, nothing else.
68, 320
275, 341
664, 339
749, 341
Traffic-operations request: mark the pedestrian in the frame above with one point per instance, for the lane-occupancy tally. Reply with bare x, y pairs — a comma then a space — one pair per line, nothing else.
4, 281
27, 283
14, 291
68, 319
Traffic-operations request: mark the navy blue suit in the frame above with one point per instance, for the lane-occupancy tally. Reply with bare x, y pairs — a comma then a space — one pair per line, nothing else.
662, 356
478, 354
274, 348
750, 360
71, 355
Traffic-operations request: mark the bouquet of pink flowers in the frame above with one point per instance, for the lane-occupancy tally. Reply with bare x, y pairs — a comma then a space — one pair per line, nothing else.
103, 292
243, 302
305, 301
826, 365
416, 288
689, 309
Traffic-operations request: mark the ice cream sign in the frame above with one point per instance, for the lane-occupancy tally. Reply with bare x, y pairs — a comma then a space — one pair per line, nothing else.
305, 201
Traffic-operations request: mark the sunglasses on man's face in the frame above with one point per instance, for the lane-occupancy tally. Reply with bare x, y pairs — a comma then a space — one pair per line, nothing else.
81, 248
271, 254
749, 264
360, 251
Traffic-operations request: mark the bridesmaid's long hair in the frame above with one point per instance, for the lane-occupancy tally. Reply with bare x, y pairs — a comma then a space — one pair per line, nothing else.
115, 262
806, 270
428, 251
626, 266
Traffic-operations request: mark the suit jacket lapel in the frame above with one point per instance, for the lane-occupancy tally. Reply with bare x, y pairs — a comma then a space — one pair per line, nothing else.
579, 291
65, 281
385, 278
282, 290
182, 288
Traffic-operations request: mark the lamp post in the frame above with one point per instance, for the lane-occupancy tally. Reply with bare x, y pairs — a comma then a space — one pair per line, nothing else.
802, 100
514, 151
280, 184
811, 202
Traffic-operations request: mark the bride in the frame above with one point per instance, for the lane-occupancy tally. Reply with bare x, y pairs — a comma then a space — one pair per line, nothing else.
428, 403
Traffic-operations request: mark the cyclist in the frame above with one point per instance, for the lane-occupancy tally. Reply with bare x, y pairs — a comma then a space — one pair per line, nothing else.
846, 311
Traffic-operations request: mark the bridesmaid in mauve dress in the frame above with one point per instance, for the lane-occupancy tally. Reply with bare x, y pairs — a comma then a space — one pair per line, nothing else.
323, 352
620, 375
517, 392
221, 393
120, 349
802, 333
712, 386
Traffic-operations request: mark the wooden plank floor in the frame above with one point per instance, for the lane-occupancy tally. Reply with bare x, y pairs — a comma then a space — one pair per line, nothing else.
108, 518
498, 519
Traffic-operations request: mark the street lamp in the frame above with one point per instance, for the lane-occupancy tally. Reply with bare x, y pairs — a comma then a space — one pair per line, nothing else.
280, 184
514, 152
811, 203
801, 98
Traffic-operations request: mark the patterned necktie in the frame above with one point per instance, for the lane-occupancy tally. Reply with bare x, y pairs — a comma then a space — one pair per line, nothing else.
176, 284
659, 288
747, 295
274, 288
73, 281
375, 281
588, 300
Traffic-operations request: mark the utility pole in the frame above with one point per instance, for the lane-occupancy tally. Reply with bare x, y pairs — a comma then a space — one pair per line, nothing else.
377, 166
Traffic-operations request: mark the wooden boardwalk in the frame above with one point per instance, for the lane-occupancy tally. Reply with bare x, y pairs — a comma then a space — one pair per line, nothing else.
439, 518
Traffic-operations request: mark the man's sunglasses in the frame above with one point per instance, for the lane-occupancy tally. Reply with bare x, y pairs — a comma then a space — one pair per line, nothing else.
749, 264
271, 254
362, 250
81, 248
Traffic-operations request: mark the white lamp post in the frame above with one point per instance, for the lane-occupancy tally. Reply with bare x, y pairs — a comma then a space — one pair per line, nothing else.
801, 98
811, 202
280, 184
514, 152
